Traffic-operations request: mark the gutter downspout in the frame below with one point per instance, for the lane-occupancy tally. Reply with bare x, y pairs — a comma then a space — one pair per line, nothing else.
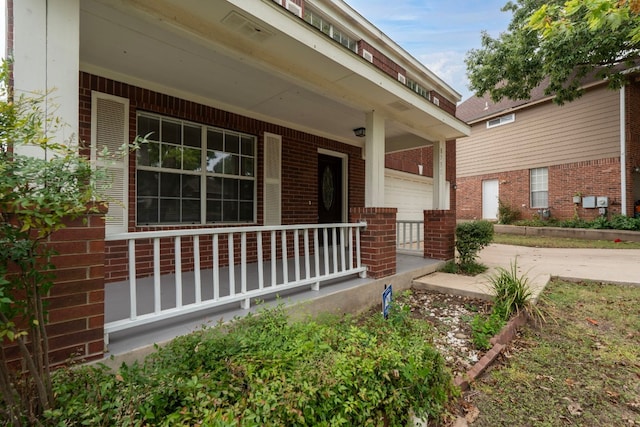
623, 152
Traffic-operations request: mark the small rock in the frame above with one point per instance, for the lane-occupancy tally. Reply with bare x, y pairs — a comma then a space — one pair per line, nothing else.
461, 336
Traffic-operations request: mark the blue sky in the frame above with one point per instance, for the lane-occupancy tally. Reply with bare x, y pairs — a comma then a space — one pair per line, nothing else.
437, 33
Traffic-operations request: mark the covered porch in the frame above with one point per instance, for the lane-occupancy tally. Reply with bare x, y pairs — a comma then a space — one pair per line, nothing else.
350, 293
254, 110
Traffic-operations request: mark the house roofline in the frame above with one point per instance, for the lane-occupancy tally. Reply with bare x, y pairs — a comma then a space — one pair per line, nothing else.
527, 105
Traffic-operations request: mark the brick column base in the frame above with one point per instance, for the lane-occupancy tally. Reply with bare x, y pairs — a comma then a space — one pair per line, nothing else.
439, 234
378, 241
75, 326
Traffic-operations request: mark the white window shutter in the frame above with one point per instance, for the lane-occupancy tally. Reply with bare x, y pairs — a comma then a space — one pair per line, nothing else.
110, 129
272, 179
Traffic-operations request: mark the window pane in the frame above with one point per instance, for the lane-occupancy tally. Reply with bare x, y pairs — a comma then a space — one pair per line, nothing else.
171, 156
147, 183
231, 165
191, 211
215, 140
215, 161
169, 210
214, 211
247, 166
147, 210
214, 188
169, 185
246, 190
191, 159
148, 154
191, 186
246, 211
230, 211
171, 132
230, 189
232, 143
247, 146
148, 125
192, 136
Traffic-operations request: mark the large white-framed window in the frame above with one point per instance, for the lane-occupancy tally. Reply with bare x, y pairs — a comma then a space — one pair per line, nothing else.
189, 173
502, 120
539, 183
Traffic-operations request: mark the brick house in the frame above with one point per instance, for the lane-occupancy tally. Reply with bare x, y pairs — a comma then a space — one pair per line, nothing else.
535, 156
270, 124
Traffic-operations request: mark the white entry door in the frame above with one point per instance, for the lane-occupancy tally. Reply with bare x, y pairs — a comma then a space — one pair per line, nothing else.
490, 199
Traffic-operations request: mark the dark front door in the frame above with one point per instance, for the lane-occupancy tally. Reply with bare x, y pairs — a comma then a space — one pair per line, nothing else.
329, 190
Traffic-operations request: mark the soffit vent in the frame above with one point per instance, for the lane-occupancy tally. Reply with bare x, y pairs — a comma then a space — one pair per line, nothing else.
246, 27
400, 106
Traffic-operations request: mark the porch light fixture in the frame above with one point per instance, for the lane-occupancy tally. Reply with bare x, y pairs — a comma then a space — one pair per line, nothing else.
359, 132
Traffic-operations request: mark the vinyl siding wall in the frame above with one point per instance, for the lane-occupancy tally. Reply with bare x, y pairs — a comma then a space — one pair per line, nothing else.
545, 135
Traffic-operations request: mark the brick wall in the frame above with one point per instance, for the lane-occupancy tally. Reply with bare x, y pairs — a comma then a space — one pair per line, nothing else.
299, 169
439, 234
76, 300
381, 61
408, 160
592, 178
443, 102
378, 241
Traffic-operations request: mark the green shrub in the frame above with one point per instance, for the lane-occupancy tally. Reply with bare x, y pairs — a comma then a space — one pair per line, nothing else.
621, 222
471, 237
268, 370
512, 293
506, 213
485, 328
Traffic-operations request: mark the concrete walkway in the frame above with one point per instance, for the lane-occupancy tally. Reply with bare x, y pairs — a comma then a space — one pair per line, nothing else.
620, 266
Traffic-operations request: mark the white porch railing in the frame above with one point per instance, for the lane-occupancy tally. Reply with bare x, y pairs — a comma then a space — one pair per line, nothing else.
311, 264
410, 236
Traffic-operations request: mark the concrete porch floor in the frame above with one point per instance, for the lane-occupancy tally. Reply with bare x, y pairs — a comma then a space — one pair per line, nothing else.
347, 295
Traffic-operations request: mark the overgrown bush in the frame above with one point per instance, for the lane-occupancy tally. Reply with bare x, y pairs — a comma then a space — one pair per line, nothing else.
268, 370
471, 237
37, 196
506, 213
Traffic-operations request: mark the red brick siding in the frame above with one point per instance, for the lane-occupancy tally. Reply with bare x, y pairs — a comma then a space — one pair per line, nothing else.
443, 103
76, 300
378, 241
592, 178
408, 160
382, 61
439, 234
299, 171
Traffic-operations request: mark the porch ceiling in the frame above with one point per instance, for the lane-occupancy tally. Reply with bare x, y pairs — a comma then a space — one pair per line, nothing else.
214, 53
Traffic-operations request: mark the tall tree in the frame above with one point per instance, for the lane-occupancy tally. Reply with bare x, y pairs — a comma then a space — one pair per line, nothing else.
564, 41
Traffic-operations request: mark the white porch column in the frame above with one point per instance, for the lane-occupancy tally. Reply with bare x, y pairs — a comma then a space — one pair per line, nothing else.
439, 175
374, 162
47, 59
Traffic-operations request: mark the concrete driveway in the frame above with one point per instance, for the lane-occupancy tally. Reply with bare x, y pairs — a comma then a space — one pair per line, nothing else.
606, 265
620, 266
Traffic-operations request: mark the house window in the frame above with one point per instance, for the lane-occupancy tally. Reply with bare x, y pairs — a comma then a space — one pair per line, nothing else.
188, 173
330, 30
539, 179
503, 120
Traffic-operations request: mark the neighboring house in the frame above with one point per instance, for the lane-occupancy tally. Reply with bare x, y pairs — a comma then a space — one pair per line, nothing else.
269, 126
535, 156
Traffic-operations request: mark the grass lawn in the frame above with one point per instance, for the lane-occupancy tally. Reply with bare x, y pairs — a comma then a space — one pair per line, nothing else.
558, 242
581, 368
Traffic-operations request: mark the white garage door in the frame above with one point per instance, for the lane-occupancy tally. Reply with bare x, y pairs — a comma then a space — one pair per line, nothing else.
410, 194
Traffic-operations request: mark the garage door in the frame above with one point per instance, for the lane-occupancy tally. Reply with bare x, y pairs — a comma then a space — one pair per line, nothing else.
410, 194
